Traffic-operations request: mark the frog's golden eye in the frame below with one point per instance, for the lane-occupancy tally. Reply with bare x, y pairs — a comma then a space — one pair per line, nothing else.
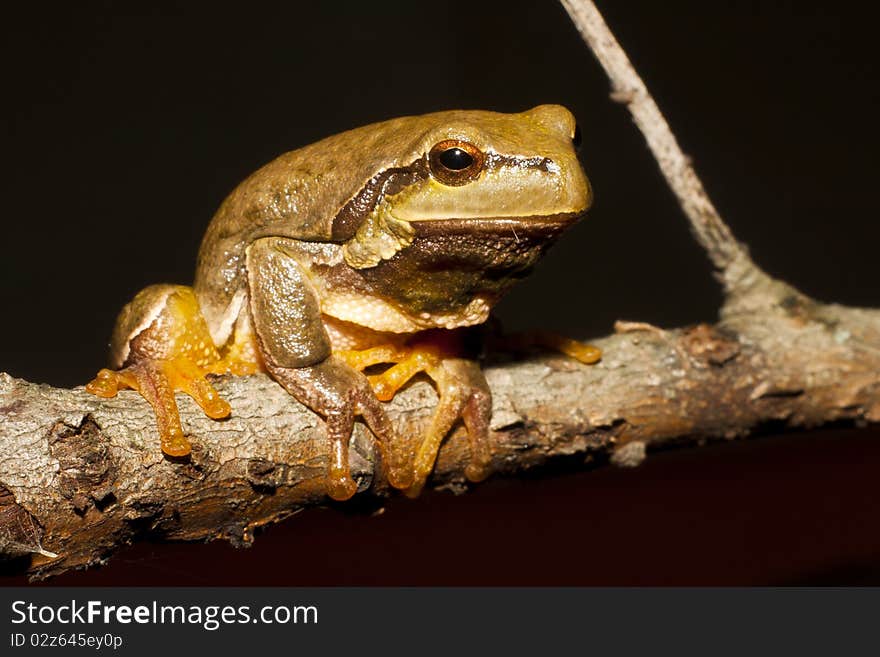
455, 162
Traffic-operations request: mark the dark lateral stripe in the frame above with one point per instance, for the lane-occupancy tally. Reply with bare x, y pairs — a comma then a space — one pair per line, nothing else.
390, 182
386, 183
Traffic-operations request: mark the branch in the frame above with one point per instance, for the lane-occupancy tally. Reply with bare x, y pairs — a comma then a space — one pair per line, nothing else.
84, 475
80, 476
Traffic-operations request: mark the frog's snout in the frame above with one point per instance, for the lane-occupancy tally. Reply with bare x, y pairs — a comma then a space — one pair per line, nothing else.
555, 118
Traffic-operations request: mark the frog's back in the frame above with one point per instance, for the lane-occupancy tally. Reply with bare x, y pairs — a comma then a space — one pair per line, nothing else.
297, 195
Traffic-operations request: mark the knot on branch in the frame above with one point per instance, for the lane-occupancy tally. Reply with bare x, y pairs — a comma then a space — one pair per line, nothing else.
87, 469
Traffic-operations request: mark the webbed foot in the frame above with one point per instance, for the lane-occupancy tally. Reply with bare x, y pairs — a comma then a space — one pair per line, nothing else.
464, 394
580, 351
339, 393
463, 391
157, 381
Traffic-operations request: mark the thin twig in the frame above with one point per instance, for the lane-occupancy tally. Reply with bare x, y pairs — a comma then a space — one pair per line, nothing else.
628, 87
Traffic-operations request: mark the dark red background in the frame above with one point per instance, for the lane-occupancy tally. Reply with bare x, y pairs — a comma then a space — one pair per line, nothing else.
124, 127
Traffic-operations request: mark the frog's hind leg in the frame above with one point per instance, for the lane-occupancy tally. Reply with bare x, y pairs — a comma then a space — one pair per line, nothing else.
164, 344
157, 381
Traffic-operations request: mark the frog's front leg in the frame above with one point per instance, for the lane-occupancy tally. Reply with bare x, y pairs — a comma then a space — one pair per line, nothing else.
463, 394
296, 351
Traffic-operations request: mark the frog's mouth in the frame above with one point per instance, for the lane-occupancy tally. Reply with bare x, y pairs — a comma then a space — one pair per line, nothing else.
449, 261
532, 227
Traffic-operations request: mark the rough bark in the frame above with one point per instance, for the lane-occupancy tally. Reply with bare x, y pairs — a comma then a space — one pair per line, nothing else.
80, 476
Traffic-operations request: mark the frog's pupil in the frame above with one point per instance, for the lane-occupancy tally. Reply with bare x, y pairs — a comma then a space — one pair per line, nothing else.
456, 159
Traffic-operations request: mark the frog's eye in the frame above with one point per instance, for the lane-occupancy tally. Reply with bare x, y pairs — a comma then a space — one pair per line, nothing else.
455, 162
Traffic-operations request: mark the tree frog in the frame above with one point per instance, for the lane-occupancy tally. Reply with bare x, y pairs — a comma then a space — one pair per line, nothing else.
373, 247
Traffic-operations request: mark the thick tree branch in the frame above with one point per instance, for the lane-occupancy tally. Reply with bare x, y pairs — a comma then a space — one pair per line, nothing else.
84, 475
80, 476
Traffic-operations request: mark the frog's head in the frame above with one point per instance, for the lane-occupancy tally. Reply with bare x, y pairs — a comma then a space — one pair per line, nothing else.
483, 165
481, 199
477, 166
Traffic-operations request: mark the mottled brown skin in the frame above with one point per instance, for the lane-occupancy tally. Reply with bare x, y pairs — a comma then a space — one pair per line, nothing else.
375, 246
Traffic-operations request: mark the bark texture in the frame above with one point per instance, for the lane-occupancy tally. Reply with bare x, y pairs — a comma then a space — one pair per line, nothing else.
80, 476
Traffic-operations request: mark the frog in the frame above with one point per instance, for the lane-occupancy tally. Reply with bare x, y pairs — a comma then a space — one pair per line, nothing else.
347, 267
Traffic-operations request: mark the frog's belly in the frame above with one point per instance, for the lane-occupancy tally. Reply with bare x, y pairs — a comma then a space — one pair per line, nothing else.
352, 337
378, 315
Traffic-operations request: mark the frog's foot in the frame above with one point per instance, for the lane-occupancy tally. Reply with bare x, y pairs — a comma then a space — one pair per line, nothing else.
463, 393
156, 381
339, 393
580, 351
407, 362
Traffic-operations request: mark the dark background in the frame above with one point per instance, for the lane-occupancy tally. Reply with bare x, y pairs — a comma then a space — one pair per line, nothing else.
125, 126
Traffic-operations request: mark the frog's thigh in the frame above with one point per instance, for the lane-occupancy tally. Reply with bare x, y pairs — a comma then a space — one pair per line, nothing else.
164, 342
